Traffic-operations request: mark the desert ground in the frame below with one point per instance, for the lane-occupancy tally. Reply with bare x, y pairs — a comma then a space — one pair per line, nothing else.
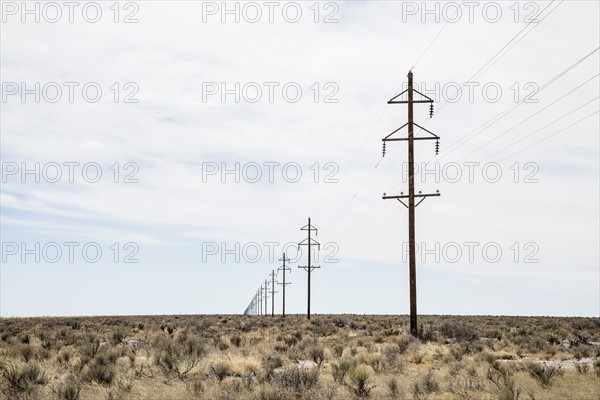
328, 357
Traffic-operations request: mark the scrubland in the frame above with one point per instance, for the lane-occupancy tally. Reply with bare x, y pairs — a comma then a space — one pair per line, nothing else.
270, 358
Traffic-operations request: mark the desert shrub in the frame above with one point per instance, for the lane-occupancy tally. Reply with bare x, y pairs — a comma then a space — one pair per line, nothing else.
90, 346
553, 339
597, 367
583, 337
46, 339
393, 387
544, 374
64, 356
271, 363
582, 367
22, 380
25, 338
69, 389
459, 331
339, 322
179, 356
236, 340
221, 344
26, 351
117, 336
375, 361
100, 372
359, 382
221, 370
429, 382
316, 353
502, 378
291, 340
418, 357
306, 343
403, 343
269, 393
580, 351
280, 348
296, 378
340, 369
338, 350
426, 334
424, 385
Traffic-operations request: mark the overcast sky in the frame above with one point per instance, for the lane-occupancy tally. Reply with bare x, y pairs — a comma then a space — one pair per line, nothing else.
212, 114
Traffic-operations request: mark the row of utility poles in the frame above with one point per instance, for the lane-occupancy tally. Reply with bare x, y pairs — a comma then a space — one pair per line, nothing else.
405, 97
259, 303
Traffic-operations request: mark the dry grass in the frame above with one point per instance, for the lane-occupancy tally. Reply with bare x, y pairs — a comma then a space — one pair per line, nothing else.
329, 357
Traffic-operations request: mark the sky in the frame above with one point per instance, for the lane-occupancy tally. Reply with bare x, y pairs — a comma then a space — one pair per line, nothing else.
159, 157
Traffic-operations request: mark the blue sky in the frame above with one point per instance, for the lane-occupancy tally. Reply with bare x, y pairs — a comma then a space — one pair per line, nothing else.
542, 213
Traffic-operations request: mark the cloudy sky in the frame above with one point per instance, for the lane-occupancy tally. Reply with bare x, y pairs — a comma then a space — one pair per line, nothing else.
159, 156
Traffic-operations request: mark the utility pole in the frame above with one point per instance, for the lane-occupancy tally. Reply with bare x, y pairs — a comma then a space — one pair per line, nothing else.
266, 296
260, 298
284, 283
273, 293
411, 185
309, 243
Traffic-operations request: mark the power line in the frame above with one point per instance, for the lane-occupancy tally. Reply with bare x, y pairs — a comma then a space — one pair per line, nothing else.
436, 36
479, 72
503, 114
531, 116
553, 134
491, 61
373, 219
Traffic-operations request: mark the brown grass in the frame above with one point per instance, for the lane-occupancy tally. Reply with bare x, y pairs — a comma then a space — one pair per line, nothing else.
329, 357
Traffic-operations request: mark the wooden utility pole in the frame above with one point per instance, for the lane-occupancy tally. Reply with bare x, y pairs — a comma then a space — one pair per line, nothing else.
260, 299
411, 186
284, 283
273, 293
266, 296
309, 243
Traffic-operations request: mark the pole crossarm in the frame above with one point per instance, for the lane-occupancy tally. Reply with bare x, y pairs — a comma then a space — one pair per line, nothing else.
394, 101
313, 242
306, 267
405, 196
388, 138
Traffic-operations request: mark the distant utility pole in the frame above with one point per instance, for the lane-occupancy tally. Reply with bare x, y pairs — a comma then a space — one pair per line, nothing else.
284, 283
273, 293
411, 185
308, 242
260, 299
266, 296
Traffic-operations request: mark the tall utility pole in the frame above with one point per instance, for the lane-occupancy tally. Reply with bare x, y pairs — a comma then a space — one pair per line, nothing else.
273, 293
260, 299
309, 243
284, 283
411, 185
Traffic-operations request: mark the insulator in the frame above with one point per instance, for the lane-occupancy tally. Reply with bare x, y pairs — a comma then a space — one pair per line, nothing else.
383, 151
431, 110
437, 147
